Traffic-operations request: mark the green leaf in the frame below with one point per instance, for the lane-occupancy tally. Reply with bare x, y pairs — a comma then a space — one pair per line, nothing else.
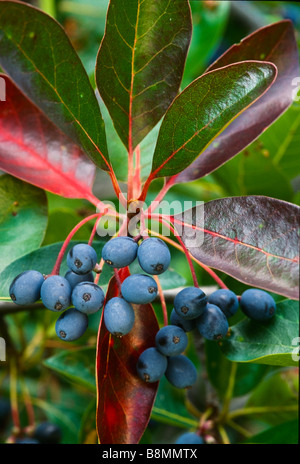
169, 407
209, 22
274, 342
67, 218
37, 54
282, 141
204, 109
280, 391
283, 434
218, 369
43, 260
255, 173
78, 366
140, 63
23, 218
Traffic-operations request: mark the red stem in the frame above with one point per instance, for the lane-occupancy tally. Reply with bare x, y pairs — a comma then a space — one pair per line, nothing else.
186, 252
57, 265
137, 173
162, 299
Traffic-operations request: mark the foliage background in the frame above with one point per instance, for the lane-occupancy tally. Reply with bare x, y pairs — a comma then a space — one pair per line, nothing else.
61, 380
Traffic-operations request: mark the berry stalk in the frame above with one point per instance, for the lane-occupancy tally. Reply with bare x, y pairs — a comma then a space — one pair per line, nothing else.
160, 219
57, 265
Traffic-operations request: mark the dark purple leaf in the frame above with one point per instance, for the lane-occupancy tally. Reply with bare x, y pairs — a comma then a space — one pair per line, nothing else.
124, 401
255, 239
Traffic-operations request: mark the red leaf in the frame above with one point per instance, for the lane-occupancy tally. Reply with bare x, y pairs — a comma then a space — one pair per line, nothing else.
33, 149
124, 401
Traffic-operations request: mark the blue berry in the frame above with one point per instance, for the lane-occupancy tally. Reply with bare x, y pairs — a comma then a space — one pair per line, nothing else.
26, 287
226, 300
118, 316
212, 324
181, 371
26, 441
186, 324
257, 304
139, 289
171, 340
47, 433
189, 438
154, 256
190, 302
71, 325
56, 293
120, 252
88, 297
151, 365
75, 279
82, 258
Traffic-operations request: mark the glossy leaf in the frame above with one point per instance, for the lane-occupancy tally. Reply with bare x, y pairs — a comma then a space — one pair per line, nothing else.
23, 218
34, 150
37, 54
274, 342
254, 239
204, 109
218, 367
124, 400
274, 43
278, 389
76, 366
170, 407
283, 434
140, 63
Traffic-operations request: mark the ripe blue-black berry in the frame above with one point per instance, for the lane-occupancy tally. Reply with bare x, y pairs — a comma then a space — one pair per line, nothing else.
212, 324
226, 300
56, 293
151, 365
82, 258
75, 279
71, 325
118, 316
181, 371
139, 289
119, 252
154, 256
190, 303
171, 340
257, 304
189, 438
48, 433
26, 287
88, 297
186, 324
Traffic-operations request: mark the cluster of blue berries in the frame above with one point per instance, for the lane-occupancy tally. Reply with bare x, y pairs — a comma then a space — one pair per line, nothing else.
154, 258
58, 293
